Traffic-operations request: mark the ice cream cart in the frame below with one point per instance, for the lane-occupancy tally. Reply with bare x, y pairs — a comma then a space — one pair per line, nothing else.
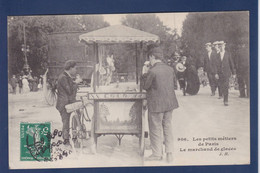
117, 93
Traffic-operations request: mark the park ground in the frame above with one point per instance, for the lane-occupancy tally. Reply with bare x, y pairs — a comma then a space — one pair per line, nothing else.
201, 122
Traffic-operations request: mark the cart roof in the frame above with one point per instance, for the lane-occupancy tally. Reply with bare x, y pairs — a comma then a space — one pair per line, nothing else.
118, 34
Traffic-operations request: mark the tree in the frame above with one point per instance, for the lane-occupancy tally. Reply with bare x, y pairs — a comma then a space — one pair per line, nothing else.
152, 24
36, 30
200, 28
127, 53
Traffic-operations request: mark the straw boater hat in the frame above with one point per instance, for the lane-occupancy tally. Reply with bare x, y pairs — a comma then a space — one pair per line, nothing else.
176, 54
208, 44
216, 43
180, 67
221, 43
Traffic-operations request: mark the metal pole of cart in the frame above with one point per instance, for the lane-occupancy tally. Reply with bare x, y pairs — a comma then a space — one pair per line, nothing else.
136, 62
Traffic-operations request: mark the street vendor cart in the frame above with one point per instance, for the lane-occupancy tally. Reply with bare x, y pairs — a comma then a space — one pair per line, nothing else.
117, 94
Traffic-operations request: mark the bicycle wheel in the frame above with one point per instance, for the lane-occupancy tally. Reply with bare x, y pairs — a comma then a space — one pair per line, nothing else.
50, 97
74, 131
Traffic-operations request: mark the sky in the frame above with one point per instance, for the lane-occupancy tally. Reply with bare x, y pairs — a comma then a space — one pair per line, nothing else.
172, 20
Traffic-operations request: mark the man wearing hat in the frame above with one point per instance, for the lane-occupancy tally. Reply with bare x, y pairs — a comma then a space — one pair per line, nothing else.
242, 70
13, 83
224, 68
209, 60
216, 55
67, 90
161, 100
181, 74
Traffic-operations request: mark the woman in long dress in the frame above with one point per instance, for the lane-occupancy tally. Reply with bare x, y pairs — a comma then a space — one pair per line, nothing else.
192, 78
26, 87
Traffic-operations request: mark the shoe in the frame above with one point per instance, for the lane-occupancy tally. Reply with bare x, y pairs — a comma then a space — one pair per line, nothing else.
66, 142
169, 157
226, 103
67, 146
220, 97
153, 158
213, 94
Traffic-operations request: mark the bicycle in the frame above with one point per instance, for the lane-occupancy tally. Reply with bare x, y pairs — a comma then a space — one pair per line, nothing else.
80, 123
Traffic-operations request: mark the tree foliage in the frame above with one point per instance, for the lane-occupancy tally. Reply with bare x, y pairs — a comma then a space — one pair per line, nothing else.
200, 28
36, 30
152, 24
125, 54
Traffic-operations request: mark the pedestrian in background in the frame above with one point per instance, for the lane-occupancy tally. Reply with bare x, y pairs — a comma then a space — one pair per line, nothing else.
176, 59
209, 67
20, 84
30, 81
25, 82
13, 83
216, 52
40, 83
242, 70
181, 74
225, 67
192, 78
161, 100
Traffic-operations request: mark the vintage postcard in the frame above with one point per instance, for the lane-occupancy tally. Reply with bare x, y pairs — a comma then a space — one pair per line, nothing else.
129, 90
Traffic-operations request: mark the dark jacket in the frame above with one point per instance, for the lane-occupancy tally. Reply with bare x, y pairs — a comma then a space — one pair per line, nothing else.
209, 62
159, 84
242, 61
226, 66
67, 91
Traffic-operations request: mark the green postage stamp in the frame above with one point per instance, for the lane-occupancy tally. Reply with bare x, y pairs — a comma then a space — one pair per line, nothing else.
35, 141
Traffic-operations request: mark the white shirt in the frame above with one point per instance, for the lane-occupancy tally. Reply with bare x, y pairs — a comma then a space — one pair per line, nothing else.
68, 73
209, 53
222, 55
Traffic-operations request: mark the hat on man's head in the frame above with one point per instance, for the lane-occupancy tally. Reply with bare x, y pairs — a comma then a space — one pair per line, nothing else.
176, 54
221, 43
157, 52
208, 44
215, 43
69, 64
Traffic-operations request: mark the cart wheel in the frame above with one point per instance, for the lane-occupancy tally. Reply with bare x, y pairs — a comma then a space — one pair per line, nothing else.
50, 97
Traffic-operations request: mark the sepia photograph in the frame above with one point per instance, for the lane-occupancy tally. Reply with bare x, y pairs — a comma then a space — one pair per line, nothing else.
128, 90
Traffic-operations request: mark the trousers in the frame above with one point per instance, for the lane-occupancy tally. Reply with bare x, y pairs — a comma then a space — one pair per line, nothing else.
243, 84
224, 86
65, 117
160, 125
212, 82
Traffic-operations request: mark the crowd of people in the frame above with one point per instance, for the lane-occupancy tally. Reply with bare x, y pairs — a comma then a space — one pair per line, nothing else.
187, 75
25, 83
218, 68
221, 67
160, 82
